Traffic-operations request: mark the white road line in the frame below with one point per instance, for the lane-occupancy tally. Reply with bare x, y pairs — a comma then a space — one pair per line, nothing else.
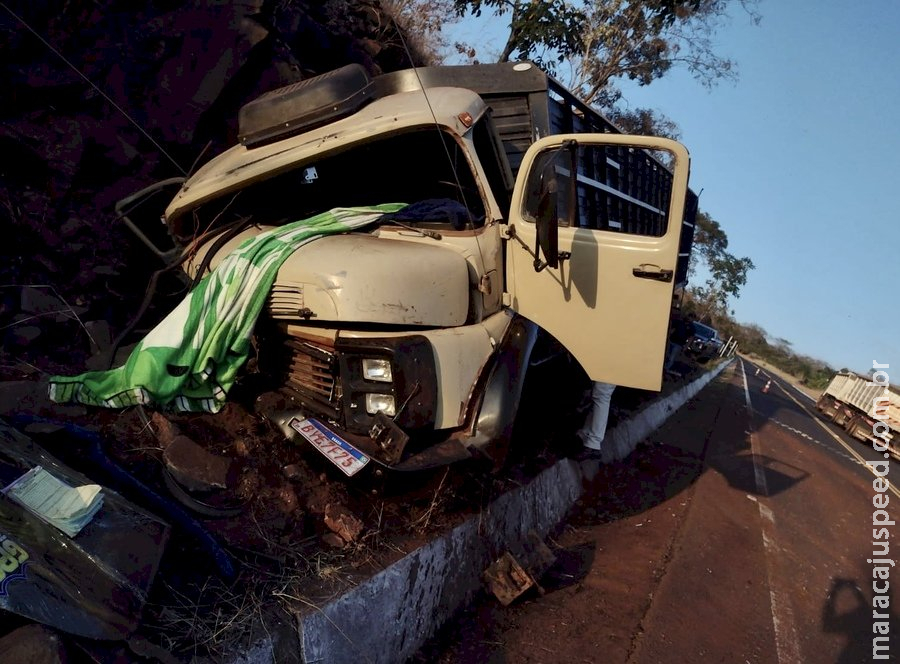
854, 453
799, 391
786, 644
815, 440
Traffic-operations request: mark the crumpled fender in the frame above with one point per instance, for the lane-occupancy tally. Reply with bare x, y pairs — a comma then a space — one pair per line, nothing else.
496, 414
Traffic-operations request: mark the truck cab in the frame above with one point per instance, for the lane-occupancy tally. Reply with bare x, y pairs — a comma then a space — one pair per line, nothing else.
404, 344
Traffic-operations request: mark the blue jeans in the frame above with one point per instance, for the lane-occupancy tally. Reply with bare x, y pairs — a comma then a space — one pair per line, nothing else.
594, 428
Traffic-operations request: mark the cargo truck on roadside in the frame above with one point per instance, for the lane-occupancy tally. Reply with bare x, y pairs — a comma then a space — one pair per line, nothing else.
858, 405
405, 344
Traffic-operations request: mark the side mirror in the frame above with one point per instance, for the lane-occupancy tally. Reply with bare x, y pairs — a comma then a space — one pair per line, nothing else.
559, 170
547, 228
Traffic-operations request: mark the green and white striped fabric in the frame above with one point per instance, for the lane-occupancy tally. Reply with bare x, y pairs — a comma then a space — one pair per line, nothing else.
190, 360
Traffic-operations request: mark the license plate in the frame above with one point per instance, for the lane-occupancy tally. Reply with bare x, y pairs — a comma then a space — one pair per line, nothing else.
337, 450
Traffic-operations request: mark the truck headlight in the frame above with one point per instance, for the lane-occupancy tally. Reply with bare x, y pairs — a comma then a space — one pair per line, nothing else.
378, 370
380, 403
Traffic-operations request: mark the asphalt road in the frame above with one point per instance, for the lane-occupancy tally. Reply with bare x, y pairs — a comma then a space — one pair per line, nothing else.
740, 532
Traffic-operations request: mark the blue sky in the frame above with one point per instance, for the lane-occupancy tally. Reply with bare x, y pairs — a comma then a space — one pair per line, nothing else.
798, 161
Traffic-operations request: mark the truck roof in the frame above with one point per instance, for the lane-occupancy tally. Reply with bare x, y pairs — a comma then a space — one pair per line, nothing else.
241, 165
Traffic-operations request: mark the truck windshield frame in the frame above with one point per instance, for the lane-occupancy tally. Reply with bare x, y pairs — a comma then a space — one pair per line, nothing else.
420, 164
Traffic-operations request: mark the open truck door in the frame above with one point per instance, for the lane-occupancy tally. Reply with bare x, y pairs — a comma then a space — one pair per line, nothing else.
592, 258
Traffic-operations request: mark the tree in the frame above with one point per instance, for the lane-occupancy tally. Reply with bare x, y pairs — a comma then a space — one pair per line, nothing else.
535, 27
642, 40
422, 22
709, 240
644, 121
727, 274
606, 40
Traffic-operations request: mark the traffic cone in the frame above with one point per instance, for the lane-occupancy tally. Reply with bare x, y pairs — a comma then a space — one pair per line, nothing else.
765, 389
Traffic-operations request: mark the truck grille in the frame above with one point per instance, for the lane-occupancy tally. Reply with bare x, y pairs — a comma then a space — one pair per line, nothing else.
285, 300
311, 376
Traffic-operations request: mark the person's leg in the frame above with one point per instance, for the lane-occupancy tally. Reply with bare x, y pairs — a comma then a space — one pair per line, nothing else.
674, 352
594, 428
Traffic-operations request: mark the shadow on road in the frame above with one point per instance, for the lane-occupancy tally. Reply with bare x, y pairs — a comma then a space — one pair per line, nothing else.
651, 475
740, 471
847, 611
655, 473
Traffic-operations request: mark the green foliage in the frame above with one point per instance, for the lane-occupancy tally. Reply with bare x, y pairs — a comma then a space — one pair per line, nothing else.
606, 40
536, 27
727, 273
709, 239
754, 340
645, 122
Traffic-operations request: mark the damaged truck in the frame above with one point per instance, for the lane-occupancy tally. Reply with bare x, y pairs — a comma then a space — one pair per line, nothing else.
404, 344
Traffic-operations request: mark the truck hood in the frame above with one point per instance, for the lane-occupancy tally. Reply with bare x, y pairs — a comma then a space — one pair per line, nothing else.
368, 279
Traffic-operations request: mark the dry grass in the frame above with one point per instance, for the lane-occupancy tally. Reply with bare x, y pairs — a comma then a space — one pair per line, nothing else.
420, 524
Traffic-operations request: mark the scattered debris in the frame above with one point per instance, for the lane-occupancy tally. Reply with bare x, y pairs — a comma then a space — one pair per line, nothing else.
93, 585
30, 396
536, 555
100, 334
194, 468
32, 643
507, 579
342, 522
24, 334
292, 471
189, 464
287, 499
333, 540
44, 301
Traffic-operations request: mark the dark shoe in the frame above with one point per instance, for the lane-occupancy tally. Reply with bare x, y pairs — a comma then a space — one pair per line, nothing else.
589, 454
571, 447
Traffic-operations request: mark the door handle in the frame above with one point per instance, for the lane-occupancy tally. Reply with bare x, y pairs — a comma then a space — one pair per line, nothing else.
650, 271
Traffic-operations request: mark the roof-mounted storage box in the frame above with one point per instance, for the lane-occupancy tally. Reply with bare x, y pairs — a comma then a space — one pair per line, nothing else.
301, 106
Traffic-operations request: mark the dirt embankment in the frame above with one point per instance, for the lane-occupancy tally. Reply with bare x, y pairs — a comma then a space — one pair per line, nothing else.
104, 99
154, 91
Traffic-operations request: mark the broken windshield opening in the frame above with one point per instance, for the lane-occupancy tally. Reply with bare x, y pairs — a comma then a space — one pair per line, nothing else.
425, 167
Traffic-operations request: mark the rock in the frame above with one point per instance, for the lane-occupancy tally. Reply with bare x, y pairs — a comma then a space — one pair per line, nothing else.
287, 499
100, 335
45, 301
341, 521
72, 227
193, 467
249, 485
166, 430
22, 335
34, 644
292, 471
244, 448
333, 540
100, 361
30, 396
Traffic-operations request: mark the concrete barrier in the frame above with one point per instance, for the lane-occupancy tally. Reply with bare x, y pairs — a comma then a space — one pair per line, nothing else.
388, 618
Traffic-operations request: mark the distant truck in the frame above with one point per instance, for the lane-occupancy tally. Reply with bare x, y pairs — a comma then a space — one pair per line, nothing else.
855, 403
405, 345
